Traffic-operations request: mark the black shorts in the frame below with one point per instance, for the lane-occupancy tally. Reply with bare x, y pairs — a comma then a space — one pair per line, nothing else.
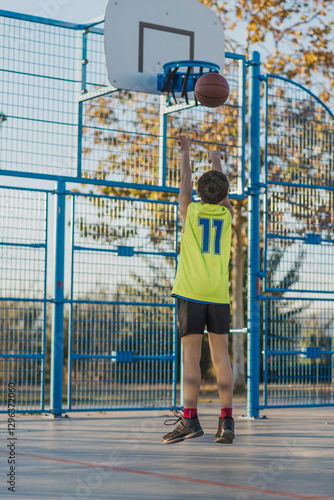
194, 316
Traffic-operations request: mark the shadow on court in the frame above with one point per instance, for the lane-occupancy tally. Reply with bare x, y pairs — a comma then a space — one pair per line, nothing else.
118, 455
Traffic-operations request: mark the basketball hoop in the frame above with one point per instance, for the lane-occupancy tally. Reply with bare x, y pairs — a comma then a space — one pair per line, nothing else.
173, 80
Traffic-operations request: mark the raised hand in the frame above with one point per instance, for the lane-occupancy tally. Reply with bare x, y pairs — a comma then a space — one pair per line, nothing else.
211, 154
183, 143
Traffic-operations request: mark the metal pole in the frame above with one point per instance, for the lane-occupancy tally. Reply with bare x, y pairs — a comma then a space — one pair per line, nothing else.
57, 335
253, 336
81, 89
162, 166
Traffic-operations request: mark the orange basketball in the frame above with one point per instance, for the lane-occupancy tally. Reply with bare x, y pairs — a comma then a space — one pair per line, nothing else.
212, 90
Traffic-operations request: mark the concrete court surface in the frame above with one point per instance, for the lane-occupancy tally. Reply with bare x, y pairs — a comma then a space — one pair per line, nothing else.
118, 455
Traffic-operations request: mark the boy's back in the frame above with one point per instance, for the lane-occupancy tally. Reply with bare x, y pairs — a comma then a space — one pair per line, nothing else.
205, 249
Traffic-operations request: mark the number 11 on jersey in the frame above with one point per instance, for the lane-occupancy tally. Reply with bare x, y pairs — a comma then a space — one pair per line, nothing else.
207, 225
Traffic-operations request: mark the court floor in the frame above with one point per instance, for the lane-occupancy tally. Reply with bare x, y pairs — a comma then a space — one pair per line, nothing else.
118, 455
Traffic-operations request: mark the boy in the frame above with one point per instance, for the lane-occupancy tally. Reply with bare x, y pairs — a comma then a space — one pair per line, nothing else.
201, 289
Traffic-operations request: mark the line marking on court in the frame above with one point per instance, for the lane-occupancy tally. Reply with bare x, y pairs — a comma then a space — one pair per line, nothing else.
177, 478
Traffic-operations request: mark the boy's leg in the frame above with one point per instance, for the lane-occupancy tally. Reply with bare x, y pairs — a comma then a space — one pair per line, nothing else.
222, 364
221, 361
191, 356
191, 318
189, 426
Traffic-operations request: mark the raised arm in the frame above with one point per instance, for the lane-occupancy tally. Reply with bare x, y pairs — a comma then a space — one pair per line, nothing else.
215, 159
186, 187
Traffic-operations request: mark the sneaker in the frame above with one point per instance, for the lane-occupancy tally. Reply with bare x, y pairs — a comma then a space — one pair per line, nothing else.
225, 433
188, 428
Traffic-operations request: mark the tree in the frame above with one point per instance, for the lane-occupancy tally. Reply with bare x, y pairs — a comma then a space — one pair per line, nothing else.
129, 148
295, 38
288, 35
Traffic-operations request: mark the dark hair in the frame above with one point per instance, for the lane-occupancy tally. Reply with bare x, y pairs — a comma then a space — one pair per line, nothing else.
213, 187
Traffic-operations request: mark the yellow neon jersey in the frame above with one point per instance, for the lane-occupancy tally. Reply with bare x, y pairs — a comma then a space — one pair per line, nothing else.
202, 272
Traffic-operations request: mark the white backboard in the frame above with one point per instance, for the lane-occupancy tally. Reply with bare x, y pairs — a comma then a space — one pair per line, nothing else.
142, 35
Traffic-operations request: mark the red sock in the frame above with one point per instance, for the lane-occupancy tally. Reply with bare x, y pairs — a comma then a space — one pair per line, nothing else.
226, 412
189, 412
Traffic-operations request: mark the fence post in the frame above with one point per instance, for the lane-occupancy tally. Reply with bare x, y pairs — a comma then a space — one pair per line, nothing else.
81, 88
162, 141
57, 334
253, 335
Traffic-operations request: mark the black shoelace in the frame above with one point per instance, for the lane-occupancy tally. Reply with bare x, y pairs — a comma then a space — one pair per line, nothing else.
176, 420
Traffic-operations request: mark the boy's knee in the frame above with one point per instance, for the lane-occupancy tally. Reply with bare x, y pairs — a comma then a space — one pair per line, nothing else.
191, 356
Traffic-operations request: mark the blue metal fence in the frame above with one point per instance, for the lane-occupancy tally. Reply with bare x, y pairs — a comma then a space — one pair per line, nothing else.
114, 257
253, 275
129, 141
299, 248
23, 297
62, 121
38, 97
298, 356
122, 344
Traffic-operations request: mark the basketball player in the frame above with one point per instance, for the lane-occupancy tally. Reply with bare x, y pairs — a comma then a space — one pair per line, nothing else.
202, 292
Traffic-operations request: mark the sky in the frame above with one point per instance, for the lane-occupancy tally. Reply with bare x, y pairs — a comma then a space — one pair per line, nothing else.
76, 11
